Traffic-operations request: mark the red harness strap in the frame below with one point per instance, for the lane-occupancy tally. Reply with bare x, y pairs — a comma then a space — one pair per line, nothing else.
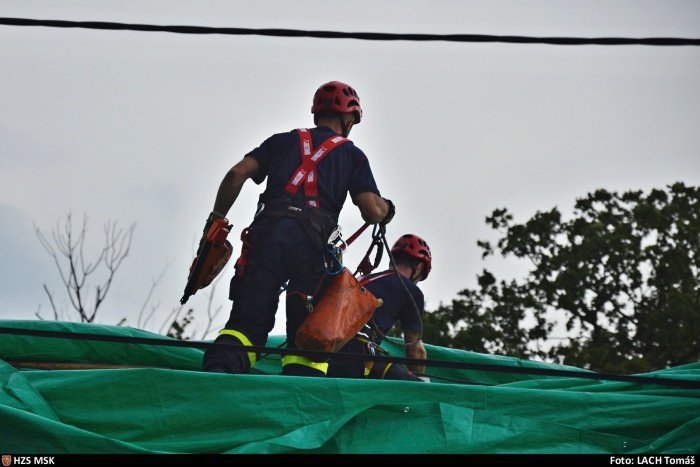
306, 174
366, 279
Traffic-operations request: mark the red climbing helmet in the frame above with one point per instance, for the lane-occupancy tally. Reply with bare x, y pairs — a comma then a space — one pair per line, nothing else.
337, 97
415, 247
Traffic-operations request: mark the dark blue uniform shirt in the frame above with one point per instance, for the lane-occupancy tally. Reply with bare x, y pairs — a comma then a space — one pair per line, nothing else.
345, 169
397, 304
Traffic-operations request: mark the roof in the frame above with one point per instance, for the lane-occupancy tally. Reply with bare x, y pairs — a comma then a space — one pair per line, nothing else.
117, 397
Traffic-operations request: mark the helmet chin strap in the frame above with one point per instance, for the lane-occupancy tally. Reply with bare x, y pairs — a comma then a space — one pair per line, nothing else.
346, 127
417, 276
413, 274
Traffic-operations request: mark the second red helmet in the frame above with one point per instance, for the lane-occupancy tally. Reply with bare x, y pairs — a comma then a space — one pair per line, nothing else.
336, 96
415, 247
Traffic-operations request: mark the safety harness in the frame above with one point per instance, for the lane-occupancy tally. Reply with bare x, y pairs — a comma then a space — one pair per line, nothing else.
368, 280
316, 221
306, 173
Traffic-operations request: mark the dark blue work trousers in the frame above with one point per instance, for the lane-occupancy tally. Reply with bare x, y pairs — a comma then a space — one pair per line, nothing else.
340, 367
280, 249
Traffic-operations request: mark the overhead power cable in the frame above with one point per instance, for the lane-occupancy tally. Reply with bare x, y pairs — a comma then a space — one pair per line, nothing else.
585, 374
371, 36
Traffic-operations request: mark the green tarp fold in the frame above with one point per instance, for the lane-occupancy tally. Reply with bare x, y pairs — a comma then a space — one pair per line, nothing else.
154, 399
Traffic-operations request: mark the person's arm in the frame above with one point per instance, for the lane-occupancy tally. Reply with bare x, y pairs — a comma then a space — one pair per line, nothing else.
229, 189
415, 349
232, 183
373, 208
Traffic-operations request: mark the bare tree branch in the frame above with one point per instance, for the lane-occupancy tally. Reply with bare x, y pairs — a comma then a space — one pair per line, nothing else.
88, 280
154, 283
53, 305
75, 268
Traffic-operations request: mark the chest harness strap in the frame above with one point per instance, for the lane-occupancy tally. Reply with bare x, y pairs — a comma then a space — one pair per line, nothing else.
368, 280
306, 174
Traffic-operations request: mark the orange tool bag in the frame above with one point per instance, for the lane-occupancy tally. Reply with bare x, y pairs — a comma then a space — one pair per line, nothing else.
340, 313
210, 260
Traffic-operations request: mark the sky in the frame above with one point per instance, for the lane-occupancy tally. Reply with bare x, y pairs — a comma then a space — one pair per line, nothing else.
140, 127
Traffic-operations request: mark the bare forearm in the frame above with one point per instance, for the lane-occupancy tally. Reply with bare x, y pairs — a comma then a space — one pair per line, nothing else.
233, 181
228, 192
373, 207
415, 350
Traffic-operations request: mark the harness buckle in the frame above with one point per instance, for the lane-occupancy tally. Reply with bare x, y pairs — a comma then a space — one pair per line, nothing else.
370, 348
261, 207
335, 235
309, 303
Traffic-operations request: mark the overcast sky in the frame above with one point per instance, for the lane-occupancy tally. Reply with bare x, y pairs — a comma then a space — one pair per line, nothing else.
140, 127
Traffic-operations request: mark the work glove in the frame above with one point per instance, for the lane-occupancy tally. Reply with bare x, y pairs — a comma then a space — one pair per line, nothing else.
425, 379
390, 214
212, 216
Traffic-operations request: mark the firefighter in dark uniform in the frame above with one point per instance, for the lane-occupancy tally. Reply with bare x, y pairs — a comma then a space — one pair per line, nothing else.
403, 303
309, 174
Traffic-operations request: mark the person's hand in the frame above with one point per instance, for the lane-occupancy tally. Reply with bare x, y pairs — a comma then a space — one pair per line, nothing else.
424, 378
212, 216
390, 214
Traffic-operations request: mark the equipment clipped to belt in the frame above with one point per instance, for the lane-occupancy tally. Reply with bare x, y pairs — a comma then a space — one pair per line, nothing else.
243, 258
366, 266
211, 258
337, 317
345, 306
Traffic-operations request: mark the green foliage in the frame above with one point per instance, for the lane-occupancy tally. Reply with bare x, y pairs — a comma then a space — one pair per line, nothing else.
179, 325
621, 275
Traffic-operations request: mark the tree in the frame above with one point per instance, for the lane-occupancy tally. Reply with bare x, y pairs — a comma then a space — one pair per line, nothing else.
178, 322
77, 271
622, 273
87, 281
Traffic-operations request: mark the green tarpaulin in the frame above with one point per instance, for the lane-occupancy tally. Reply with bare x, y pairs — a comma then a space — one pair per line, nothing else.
154, 399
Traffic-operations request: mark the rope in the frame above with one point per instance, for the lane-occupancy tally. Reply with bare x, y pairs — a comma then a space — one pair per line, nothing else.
371, 36
315, 355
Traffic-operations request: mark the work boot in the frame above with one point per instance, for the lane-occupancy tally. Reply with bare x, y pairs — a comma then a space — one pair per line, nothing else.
219, 359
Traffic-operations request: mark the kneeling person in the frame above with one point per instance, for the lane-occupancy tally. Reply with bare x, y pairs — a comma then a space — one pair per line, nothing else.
413, 262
